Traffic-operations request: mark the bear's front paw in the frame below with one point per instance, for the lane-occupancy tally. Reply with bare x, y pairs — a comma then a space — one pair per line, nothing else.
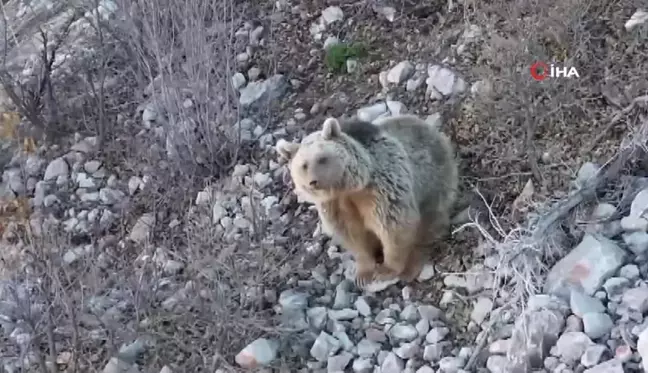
363, 277
384, 273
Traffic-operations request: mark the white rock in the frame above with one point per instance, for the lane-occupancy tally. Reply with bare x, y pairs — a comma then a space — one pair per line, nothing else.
332, 14
481, 310
639, 204
238, 81
401, 72
636, 241
571, 346
331, 41
589, 264
642, 347
56, 168
134, 183
259, 353
639, 17
142, 228
325, 345
387, 11
442, 80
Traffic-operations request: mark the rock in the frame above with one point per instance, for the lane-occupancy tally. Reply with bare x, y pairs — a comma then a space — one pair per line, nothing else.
400, 73
422, 327
429, 313
425, 369
592, 355
339, 362
636, 299
482, 308
362, 365
142, 228
451, 364
116, 365
610, 366
442, 80
574, 324
166, 369
342, 315
407, 350
571, 346
325, 346
634, 224
331, 41
636, 241
614, 286
363, 307
332, 14
403, 332
386, 11
629, 271
317, 317
261, 352
409, 313
109, 196
642, 347
392, 364
596, 325
92, 166
414, 83
437, 335
533, 334
263, 90
588, 171
368, 348
639, 17
639, 205
589, 264
238, 81
293, 299
496, 364
581, 304
56, 168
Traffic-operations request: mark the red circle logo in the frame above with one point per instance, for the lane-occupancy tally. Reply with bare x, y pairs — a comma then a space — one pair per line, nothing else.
539, 70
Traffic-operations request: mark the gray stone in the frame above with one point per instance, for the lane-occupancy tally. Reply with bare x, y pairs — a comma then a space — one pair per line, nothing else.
293, 299
58, 167
325, 346
339, 362
639, 204
636, 241
451, 364
573, 324
614, 287
443, 81
634, 224
425, 369
109, 196
142, 228
343, 298
261, 352
343, 315
496, 364
592, 355
392, 364
636, 299
481, 310
596, 325
629, 271
610, 366
589, 264
368, 348
264, 90
344, 339
238, 81
429, 313
363, 307
409, 313
332, 14
571, 346
400, 73
317, 317
540, 302
642, 347
422, 327
437, 335
434, 352
386, 316
581, 303
362, 365
532, 337
407, 350
403, 332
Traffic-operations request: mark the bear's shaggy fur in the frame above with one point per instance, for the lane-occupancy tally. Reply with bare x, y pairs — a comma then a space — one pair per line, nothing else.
384, 190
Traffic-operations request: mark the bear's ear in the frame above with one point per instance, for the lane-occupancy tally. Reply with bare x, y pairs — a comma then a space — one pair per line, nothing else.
286, 149
331, 128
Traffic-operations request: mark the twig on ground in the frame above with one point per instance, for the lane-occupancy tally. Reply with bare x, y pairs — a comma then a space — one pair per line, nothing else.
617, 117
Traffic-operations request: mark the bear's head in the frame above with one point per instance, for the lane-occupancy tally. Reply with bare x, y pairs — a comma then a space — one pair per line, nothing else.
319, 165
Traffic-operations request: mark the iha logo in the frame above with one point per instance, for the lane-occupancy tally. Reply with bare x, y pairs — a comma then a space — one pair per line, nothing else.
540, 71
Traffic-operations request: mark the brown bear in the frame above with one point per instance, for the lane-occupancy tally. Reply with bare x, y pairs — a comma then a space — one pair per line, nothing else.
383, 189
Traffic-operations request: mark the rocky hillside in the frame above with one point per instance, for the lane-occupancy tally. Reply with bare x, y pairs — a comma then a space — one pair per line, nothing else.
148, 225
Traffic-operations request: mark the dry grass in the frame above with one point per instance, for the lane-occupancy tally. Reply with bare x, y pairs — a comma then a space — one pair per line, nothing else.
80, 314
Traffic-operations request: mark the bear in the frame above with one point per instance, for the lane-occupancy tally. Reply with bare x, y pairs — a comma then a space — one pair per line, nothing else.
383, 189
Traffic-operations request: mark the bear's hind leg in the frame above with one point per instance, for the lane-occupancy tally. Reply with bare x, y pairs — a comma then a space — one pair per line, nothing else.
398, 246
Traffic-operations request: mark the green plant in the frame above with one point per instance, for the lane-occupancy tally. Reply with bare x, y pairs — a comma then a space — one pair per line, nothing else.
338, 54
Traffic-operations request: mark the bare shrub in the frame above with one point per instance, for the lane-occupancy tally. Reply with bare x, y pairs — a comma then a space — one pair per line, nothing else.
186, 52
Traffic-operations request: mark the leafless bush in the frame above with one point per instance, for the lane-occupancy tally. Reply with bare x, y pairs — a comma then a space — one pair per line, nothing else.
186, 51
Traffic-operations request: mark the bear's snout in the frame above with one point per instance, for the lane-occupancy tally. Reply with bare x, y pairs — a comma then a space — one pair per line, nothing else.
313, 183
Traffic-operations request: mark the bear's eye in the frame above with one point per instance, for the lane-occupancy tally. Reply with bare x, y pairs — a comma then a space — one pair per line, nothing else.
322, 160
305, 166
